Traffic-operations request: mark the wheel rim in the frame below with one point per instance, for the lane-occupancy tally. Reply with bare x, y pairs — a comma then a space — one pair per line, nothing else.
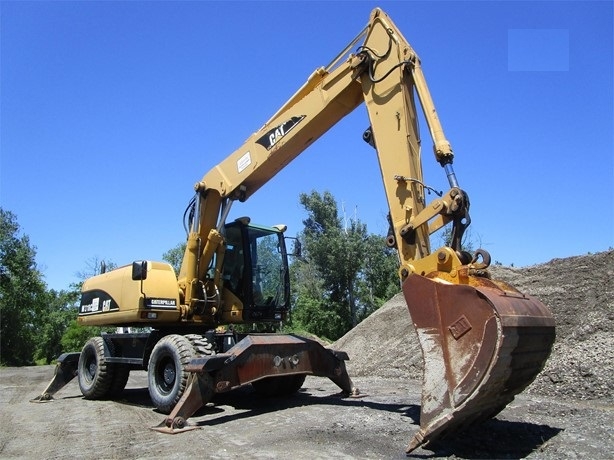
166, 375
90, 367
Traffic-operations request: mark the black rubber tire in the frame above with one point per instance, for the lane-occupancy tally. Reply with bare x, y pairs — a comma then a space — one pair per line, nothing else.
202, 346
166, 371
284, 385
121, 372
95, 375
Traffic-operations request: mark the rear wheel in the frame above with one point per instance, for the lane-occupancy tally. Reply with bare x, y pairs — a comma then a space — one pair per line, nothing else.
202, 346
284, 385
166, 371
95, 374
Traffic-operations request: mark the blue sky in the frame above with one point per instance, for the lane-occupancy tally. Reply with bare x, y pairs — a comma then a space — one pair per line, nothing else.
111, 111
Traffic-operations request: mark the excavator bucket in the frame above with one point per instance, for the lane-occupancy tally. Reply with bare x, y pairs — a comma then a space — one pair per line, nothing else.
482, 344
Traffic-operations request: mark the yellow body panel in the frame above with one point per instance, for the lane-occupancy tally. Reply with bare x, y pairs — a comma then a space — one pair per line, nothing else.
232, 308
115, 298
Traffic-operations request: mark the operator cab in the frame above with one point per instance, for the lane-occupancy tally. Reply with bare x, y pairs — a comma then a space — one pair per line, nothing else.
256, 270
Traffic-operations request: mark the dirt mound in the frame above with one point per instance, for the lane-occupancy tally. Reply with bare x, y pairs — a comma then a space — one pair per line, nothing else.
579, 291
384, 344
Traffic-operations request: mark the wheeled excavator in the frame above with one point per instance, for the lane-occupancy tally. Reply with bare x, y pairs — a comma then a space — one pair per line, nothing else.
482, 341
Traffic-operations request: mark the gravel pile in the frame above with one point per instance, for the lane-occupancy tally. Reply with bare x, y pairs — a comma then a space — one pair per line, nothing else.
579, 291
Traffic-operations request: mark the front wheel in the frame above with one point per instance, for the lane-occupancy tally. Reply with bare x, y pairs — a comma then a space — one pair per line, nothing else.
95, 374
166, 371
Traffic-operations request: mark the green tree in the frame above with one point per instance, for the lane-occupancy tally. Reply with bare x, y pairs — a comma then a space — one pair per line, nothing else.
346, 273
312, 315
379, 276
61, 309
74, 335
22, 294
174, 256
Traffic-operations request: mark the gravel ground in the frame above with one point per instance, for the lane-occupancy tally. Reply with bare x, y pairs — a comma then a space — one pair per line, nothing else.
580, 292
313, 424
568, 412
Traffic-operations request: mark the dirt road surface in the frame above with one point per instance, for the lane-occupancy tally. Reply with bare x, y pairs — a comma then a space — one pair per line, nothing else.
567, 413
314, 424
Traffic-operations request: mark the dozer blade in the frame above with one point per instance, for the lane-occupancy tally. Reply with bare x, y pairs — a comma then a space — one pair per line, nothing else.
482, 344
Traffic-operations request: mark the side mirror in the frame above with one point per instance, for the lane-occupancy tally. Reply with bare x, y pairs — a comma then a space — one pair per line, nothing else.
139, 270
297, 248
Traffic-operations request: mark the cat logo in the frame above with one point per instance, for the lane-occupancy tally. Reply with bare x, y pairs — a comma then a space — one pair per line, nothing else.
274, 135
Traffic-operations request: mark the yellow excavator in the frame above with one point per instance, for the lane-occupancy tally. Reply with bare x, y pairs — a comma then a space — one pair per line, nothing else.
482, 341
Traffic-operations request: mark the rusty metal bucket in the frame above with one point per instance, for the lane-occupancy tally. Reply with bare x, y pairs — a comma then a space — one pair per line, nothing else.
482, 344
